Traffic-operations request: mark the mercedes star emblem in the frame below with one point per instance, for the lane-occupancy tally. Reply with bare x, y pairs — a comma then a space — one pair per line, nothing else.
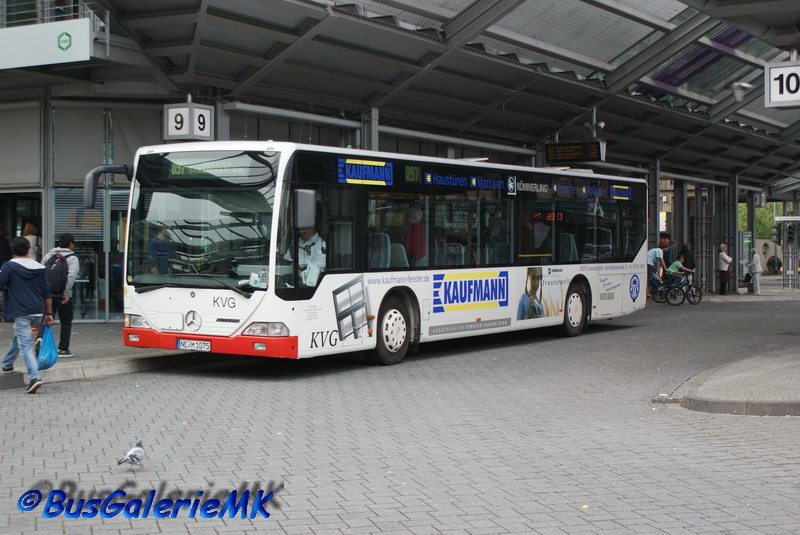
193, 321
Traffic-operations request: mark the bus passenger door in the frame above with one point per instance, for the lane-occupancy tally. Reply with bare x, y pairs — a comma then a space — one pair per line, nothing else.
350, 299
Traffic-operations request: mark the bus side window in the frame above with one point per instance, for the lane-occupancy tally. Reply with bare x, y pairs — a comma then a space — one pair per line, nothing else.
341, 228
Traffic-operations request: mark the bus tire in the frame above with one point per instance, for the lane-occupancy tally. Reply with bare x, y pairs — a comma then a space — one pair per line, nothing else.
394, 333
574, 311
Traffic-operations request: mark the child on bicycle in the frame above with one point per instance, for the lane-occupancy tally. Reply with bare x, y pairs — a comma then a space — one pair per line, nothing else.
676, 269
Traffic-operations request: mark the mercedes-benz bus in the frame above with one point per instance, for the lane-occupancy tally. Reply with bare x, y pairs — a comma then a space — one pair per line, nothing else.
288, 250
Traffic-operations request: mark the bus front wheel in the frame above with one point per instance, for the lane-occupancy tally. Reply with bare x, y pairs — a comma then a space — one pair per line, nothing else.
394, 333
574, 311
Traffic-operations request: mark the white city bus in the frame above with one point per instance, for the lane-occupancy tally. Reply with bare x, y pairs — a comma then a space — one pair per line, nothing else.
288, 250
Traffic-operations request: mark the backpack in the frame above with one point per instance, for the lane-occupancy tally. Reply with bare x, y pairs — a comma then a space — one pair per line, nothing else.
57, 271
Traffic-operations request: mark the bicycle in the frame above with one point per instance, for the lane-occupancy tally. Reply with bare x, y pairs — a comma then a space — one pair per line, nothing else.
667, 292
693, 292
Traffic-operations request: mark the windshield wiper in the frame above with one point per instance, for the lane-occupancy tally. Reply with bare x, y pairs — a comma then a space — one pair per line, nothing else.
218, 279
145, 289
234, 287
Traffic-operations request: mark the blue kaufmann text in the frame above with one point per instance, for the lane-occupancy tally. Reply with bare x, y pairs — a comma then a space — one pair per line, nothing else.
237, 504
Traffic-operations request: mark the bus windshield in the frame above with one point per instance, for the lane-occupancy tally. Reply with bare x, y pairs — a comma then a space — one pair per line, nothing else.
202, 219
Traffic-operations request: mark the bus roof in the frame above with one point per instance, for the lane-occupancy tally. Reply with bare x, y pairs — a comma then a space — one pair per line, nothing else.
284, 146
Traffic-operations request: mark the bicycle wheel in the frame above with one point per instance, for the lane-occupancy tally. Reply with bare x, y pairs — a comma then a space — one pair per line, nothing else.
675, 296
659, 295
694, 295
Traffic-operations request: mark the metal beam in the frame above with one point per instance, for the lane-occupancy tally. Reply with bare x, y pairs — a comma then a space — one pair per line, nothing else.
158, 71
202, 12
627, 12
269, 111
676, 91
732, 53
729, 105
732, 9
415, 134
306, 34
791, 133
547, 49
459, 31
787, 189
158, 19
343, 123
663, 49
427, 9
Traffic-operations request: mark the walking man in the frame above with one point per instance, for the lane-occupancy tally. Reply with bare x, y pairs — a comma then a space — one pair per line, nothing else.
62, 269
26, 295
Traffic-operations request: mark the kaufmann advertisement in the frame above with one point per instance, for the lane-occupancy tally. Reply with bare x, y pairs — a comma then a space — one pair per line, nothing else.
45, 44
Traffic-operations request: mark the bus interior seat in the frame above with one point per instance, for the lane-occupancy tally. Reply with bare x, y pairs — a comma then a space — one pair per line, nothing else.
398, 257
377, 250
452, 254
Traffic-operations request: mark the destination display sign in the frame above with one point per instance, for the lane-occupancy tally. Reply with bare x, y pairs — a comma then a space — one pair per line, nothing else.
581, 151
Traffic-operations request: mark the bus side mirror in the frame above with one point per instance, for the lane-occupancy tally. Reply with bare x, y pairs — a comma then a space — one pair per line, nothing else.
305, 208
93, 176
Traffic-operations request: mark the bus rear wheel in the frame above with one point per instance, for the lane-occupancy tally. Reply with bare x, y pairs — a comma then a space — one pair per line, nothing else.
394, 333
574, 312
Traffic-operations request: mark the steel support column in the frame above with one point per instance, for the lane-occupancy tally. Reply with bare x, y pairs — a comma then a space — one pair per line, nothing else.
751, 219
703, 244
222, 122
653, 204
732, 217
714, 231
679, 211
370, 126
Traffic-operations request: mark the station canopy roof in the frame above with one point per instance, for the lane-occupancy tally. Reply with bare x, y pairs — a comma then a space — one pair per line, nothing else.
509, 72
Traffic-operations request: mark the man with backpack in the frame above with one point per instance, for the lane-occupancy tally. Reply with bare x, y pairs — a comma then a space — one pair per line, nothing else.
61, 266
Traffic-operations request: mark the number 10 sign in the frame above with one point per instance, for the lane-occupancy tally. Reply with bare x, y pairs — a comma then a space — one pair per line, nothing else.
782, 81
188, 121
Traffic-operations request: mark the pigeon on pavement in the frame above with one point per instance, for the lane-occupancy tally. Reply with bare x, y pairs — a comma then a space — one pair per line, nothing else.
134, 456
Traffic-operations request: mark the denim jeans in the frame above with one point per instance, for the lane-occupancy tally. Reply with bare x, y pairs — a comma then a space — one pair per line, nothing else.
22, 342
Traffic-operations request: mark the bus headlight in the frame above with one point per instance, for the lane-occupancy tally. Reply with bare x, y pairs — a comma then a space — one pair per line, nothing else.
266, 329
135, 321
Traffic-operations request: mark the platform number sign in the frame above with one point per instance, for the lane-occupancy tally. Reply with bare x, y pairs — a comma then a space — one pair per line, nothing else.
782, 81
188, 121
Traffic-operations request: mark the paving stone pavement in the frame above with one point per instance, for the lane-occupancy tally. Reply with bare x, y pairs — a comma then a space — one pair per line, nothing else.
523, 433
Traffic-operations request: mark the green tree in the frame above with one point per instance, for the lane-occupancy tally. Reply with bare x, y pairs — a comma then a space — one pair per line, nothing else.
764, 218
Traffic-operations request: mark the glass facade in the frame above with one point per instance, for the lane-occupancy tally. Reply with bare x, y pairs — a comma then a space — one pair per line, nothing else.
98, 288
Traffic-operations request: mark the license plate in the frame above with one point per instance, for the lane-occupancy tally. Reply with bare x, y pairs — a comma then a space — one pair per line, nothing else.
194, 345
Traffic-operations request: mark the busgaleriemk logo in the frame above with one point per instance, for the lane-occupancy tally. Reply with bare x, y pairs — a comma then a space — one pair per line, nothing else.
64, 41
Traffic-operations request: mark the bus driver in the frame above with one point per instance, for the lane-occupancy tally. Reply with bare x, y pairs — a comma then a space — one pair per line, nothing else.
311, 256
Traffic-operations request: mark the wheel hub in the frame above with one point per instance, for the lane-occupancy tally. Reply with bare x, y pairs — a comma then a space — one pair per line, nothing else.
394, 330
575, 310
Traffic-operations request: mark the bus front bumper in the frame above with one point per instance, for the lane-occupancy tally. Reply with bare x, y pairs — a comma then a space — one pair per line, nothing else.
257, 346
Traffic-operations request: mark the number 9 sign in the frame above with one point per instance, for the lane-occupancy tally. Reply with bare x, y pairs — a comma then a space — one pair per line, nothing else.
188, 121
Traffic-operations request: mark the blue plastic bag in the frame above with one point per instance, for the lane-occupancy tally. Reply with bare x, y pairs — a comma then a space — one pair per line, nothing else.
48, 352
